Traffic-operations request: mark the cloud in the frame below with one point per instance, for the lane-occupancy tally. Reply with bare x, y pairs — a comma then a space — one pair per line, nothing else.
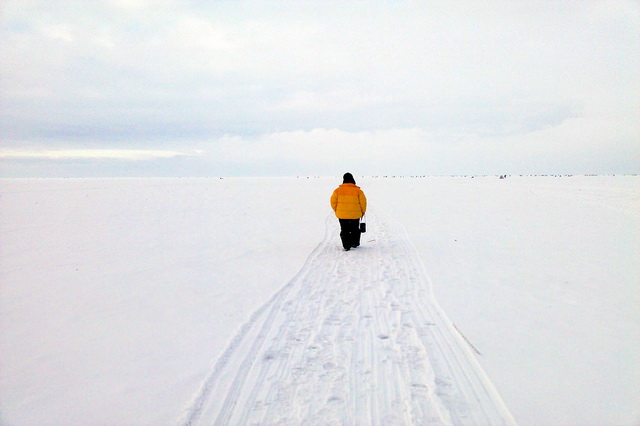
168, 74
321, 151
96, 154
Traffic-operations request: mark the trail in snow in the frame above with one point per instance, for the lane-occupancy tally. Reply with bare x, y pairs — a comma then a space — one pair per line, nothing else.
355, 337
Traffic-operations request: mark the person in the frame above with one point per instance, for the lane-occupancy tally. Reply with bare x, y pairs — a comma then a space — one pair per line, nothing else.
350, 204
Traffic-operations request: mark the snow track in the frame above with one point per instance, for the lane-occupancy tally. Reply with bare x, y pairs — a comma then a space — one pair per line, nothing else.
354, 338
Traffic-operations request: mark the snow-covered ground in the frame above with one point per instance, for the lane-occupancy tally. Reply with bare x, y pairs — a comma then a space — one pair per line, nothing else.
165, 301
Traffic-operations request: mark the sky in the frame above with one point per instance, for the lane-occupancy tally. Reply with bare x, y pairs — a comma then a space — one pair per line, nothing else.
285, 88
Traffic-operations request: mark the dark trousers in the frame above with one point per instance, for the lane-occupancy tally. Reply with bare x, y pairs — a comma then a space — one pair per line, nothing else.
350, 232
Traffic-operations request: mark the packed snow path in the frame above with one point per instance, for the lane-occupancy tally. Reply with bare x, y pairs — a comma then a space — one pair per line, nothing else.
354, 338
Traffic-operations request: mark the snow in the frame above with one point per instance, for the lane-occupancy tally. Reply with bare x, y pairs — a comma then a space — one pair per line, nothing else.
146, 301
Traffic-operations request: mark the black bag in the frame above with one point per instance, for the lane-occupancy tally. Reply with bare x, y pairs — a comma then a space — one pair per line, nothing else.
363, 226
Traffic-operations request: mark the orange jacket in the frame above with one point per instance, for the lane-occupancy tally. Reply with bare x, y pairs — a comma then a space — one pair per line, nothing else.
348, 201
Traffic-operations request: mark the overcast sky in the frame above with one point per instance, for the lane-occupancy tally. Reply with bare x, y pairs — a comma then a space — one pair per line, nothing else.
252, 88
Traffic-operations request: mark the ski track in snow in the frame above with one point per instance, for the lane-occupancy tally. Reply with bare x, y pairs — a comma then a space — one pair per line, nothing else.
354, 338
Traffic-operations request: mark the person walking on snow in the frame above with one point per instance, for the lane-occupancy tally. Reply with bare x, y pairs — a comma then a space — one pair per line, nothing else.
349, 204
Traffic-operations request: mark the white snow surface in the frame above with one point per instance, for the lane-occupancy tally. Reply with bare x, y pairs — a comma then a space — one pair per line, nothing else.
231, 301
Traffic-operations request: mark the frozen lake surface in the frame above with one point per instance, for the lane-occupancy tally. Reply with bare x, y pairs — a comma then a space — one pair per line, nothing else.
167, 301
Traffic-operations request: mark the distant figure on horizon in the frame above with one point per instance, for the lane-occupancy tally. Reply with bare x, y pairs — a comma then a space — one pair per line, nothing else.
349, 204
